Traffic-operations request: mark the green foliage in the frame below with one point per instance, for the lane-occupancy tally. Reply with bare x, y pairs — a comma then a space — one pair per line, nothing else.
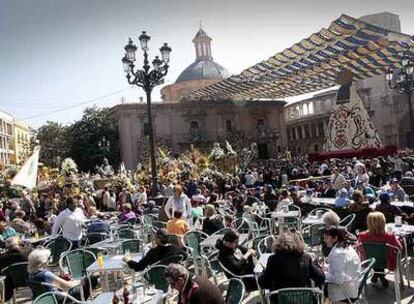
80, 141
55, 143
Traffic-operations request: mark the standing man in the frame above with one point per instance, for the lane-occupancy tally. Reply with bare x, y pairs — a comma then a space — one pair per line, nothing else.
179, 201
106, 199
71, 221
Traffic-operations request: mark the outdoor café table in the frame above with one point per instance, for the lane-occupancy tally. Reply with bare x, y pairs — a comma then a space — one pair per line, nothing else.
112, 246
397, 204
312, 220
111, 264
37, 240
322, 201
281, 215
106, 298
262, 263
402, 230
212, 240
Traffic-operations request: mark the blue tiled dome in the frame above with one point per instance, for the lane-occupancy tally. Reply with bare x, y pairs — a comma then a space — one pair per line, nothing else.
203, 69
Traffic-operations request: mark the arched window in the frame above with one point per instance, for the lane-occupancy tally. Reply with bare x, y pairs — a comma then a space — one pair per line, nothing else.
229, 126
305, 109
310, 107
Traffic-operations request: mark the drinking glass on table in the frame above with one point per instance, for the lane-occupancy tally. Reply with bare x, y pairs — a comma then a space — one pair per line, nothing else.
100, 260
128, 254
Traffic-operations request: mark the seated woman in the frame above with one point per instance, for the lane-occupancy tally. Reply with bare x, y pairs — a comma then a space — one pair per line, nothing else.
290, 266
236, 258
376, 233
343, 266
213, 222
38, 273
127, 215
361, 208
162, 250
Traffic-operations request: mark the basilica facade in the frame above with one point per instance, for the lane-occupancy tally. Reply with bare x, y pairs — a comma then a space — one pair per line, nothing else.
182, 124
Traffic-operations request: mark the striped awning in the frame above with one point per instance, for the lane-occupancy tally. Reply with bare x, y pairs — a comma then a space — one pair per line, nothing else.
314, 63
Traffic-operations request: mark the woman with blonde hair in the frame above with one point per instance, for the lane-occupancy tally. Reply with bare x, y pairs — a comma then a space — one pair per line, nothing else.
213, 222
376, 233
290, 266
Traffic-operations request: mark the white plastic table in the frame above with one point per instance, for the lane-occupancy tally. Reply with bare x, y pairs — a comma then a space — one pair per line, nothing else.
111, 264
312, 220
262, 263
400, 231
106, 298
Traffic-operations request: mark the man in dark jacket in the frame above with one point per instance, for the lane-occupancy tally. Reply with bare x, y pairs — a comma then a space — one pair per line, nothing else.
192, 290
162, 250
14, 254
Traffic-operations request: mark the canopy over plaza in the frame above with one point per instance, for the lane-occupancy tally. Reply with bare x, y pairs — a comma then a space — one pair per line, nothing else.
314, 63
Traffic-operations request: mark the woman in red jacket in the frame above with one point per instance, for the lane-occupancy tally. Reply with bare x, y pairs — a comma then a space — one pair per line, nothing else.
376, 233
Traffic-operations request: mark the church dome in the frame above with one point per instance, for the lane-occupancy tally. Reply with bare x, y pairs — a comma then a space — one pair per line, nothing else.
203, 69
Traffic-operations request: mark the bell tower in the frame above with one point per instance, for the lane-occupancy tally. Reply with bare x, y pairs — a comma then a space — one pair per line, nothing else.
202, 45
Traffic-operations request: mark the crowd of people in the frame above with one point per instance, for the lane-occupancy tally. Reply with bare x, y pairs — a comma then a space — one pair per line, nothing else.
365, 187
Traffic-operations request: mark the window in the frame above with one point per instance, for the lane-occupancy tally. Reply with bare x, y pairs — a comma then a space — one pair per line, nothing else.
313, 130
305, 109
315, 147
300, 135
194, 125
321, 129
310, 108
293, 131
307, 133
288, 134
260, 128
229, 127
195, 132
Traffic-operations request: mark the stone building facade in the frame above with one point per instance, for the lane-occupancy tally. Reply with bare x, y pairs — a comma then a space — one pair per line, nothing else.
387, 109
179, 124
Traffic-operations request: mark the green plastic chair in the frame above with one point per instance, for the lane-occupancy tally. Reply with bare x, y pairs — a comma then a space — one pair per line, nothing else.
155, 275
38, 288
127, 234
367, 266
192, 240
77, 261
131, 245
147, 219
57, 247
295, 296
235, 291
379, 251
17, 273
52, 298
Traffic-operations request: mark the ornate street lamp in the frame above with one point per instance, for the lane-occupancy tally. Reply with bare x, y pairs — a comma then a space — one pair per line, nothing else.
104, 144
147, 79
402, 80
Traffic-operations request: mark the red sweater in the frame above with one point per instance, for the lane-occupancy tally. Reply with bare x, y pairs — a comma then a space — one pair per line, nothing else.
388, 238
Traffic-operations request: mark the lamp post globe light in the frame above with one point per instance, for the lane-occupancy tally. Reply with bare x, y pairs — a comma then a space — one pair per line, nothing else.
147, 79
402, 80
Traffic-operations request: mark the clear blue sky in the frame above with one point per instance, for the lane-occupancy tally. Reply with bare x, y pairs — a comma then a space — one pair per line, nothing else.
59, 53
